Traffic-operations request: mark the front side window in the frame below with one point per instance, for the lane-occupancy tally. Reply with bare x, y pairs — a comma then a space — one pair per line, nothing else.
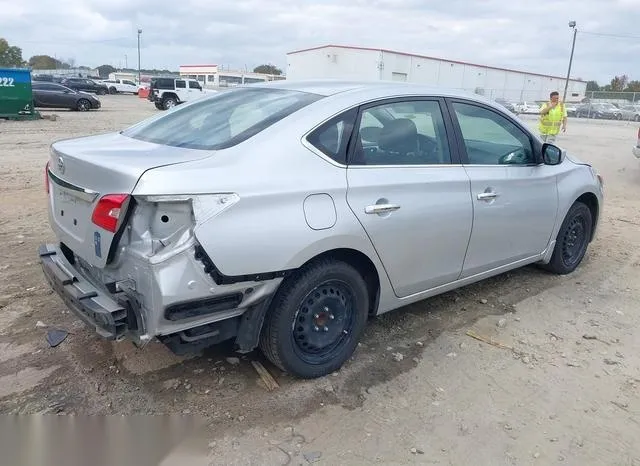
194, 85
222, 120
402, 133
490, 138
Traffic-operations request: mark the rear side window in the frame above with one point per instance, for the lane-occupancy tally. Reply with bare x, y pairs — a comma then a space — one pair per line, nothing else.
180, 84
222, 120
332, 138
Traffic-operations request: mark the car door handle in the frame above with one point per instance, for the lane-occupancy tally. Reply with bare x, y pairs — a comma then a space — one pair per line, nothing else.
487, 196
380, 208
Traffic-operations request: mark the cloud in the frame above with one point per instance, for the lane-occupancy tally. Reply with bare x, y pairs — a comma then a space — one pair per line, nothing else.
532, 36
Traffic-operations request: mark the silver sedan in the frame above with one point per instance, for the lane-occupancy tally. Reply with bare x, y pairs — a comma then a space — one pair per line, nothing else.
285, 215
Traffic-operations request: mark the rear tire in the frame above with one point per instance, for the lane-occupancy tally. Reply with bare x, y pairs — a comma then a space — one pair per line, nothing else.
113, 90
169, 102
316, 319
572, 240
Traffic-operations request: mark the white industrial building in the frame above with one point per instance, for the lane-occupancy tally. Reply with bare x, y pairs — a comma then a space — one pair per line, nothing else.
342, 62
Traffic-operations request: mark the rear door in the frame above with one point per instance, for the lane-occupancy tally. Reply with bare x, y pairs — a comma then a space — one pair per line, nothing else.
409, 191
515, 197
181, 90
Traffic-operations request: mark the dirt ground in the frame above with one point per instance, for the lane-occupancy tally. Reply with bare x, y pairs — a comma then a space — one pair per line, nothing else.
563, 389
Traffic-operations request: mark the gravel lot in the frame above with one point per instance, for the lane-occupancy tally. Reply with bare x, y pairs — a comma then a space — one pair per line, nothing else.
566, 390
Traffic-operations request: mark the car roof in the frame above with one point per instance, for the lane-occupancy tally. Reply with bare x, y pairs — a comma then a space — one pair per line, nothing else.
328, 87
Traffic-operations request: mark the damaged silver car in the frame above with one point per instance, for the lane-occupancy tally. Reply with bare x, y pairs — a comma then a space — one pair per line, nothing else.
284, 215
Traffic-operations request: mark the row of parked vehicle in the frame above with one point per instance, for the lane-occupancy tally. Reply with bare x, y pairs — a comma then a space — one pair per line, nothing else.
92, 85
76, 93
606, 110
600, 110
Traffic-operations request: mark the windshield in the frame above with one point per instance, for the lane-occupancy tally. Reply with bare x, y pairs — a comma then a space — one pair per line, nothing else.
221, 121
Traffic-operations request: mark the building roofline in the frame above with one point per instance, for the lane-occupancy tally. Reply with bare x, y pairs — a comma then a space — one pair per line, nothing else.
371, 49
197, 66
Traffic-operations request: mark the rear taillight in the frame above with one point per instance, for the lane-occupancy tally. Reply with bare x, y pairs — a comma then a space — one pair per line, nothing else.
46, 177
110, 211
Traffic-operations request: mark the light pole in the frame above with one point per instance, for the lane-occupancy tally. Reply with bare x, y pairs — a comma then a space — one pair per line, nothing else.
139, 32
126, 63
572, 24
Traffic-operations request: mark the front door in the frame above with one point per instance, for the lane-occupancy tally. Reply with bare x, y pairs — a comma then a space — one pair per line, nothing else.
408, 190
515, 198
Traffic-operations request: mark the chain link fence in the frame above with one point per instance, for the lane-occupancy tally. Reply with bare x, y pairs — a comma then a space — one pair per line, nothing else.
602, 105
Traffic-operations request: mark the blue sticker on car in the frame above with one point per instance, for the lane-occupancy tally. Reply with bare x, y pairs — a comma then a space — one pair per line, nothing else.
96, 243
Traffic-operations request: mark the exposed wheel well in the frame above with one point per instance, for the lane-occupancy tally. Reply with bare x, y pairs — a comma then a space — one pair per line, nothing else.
361, 263
591, 201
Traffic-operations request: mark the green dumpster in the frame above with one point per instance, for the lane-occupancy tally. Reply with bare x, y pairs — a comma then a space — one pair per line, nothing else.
16, 97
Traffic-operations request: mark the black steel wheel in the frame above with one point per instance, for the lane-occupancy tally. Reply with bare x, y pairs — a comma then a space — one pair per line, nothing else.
316, 319
572, 240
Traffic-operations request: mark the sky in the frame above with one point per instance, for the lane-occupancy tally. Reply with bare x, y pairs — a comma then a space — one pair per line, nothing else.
521, 34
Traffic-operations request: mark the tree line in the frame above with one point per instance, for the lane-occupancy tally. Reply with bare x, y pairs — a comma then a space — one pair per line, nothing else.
11, 56
617, 84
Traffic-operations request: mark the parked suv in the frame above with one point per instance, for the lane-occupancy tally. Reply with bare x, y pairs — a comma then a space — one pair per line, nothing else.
169, 92
85, 85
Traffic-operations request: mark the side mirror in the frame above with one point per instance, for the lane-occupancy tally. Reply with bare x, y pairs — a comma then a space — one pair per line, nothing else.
551, 155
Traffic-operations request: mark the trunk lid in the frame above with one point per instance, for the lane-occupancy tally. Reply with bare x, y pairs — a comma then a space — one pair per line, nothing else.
81, 171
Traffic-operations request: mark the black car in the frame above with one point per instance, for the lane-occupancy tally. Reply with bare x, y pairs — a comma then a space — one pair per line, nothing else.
51, 95
85, 85
600, 110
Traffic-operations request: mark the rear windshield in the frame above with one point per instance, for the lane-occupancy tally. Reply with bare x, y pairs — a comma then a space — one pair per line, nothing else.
221, 121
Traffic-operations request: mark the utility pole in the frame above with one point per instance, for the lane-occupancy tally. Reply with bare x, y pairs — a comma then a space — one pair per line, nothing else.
572, 24
126, 63
139, 32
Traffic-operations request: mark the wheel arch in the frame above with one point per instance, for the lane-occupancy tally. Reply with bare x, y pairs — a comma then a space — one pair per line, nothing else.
591, 201
363, 264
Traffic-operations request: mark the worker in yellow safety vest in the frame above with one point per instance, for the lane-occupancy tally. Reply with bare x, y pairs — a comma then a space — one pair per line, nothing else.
552, 115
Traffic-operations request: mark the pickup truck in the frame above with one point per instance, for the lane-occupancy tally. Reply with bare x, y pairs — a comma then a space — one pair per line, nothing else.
117, 86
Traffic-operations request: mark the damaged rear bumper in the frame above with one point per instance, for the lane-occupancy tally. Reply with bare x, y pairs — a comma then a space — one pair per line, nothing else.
93, 306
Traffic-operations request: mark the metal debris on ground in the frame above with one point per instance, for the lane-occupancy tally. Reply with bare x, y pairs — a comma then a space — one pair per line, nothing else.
55, 337
487, 340
265, 376
313, 456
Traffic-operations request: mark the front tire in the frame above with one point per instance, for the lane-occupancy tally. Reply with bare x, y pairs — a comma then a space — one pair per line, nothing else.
316, 319
84, 105
572, 240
